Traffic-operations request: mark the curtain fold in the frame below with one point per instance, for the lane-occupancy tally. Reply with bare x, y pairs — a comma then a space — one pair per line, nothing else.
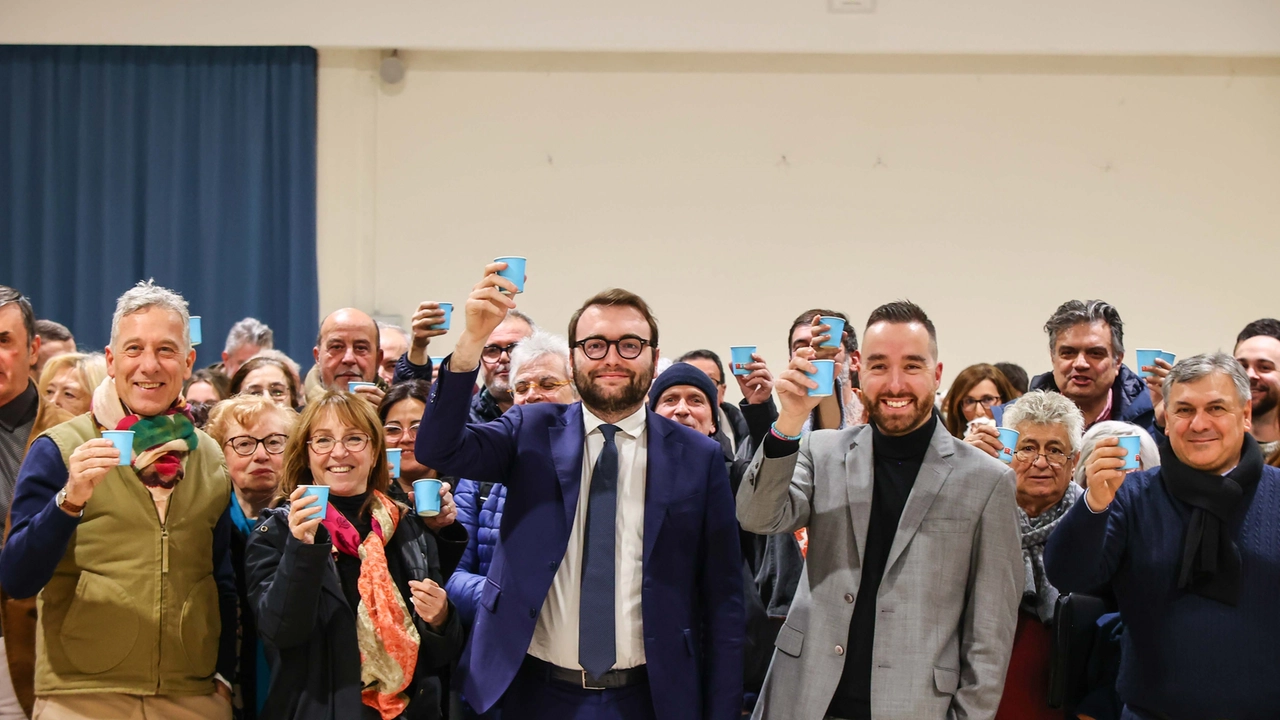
195, 166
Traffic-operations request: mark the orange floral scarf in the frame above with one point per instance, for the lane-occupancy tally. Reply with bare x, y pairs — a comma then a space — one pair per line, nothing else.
385, 631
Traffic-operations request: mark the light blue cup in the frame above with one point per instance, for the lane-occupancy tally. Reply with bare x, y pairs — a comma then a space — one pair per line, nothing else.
1147, 358
393, 460
837, 330
321, 492
448, 316
197, 329
740, 357
123, 440
437, 361
824, 375
515, 270
1008, 443
353, 385
1132, 445
426, 497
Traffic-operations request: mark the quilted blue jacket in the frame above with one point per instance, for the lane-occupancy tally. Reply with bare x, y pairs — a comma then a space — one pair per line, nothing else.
482, 523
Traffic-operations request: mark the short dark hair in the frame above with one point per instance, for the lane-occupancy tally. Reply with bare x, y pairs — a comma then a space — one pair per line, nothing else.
419, 390
1016, 376
704, 354
216, 380
12, 295
616, 297
850, 340
1078, 312
903, 312
1269, 327
49, 330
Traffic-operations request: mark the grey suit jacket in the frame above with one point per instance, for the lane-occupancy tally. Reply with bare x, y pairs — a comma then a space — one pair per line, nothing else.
947, 604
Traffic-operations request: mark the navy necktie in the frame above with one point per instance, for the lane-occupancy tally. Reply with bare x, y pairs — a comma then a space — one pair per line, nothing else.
597, 646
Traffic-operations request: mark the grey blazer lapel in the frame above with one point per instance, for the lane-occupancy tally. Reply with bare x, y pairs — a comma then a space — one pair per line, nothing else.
859, 476
933, 473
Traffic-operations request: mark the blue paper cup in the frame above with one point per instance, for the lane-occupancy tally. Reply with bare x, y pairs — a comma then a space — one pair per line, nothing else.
393, 460
1168, 357
514, 271
1008, 443
1132, 445
353, 385
437, 361
123, 440
426, 497
197, 330
448, 316
837, 330
1147, 358
321, 492
824, 375
740, 357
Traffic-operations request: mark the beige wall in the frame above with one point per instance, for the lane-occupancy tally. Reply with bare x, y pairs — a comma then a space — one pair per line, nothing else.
735, 191
1121, 27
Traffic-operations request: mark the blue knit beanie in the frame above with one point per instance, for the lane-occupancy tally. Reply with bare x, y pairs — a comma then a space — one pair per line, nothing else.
686, 374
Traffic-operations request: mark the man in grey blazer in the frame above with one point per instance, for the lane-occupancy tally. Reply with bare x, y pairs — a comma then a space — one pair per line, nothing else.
914, 569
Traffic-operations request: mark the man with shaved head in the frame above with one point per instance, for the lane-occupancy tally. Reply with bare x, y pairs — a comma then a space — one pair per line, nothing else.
348, 350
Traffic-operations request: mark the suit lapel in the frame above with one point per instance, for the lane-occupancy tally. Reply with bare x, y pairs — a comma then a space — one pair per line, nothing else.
566, 452
664, 458
859, 476
933, 473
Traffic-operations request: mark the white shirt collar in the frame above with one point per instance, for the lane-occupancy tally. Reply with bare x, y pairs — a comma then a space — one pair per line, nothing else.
631, 425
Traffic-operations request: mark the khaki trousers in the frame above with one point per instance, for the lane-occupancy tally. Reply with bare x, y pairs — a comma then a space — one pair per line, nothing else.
116, 706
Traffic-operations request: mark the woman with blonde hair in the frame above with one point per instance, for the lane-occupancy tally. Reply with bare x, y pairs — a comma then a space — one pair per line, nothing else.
69, 380
350, 594
252, 432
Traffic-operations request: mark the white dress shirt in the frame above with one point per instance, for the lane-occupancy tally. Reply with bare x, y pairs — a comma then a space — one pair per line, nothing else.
555, 639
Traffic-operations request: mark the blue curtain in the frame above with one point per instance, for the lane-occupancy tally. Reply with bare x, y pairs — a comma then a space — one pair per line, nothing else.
193, 166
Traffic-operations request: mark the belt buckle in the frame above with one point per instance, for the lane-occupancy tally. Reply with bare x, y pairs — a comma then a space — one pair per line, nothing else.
586, 686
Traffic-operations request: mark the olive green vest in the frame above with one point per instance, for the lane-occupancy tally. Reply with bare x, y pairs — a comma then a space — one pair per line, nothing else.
133, 605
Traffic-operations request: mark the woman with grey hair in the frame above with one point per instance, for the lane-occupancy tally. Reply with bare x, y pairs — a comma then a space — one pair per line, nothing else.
1049, 428
1148, 455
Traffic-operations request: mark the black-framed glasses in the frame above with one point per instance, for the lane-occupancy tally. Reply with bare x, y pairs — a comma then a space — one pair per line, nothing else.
595, 348
986, 401
246, 445
395, 432
1055, 458
492, 353
545, 385
323, 445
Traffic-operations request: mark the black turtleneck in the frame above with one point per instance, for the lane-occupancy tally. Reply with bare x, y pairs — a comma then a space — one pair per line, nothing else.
349, 565
897, 461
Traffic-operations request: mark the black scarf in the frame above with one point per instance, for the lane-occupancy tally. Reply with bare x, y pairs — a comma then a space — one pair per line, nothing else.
1210, 563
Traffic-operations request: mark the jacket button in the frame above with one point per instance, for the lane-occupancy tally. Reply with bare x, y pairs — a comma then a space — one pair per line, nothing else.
848, 597
839, 650
533, 612
551, 565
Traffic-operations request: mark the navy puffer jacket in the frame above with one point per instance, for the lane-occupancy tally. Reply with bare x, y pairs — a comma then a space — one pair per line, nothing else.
467, 581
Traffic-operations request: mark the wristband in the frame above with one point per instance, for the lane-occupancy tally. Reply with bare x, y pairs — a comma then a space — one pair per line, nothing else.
773, 430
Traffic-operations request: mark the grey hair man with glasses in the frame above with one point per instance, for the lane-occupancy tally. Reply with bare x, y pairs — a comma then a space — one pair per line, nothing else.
495, 397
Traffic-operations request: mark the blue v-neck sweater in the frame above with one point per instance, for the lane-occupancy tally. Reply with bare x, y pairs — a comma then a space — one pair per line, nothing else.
1184, 657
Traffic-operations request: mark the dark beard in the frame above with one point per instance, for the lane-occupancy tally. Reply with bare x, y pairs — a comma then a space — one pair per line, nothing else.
632, 394
1265, 404
896, 426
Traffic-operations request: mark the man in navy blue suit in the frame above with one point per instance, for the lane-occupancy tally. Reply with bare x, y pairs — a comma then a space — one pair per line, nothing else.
615, 590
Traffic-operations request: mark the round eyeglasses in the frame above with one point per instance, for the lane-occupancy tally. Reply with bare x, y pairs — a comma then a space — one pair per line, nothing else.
246, 445
595, 348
